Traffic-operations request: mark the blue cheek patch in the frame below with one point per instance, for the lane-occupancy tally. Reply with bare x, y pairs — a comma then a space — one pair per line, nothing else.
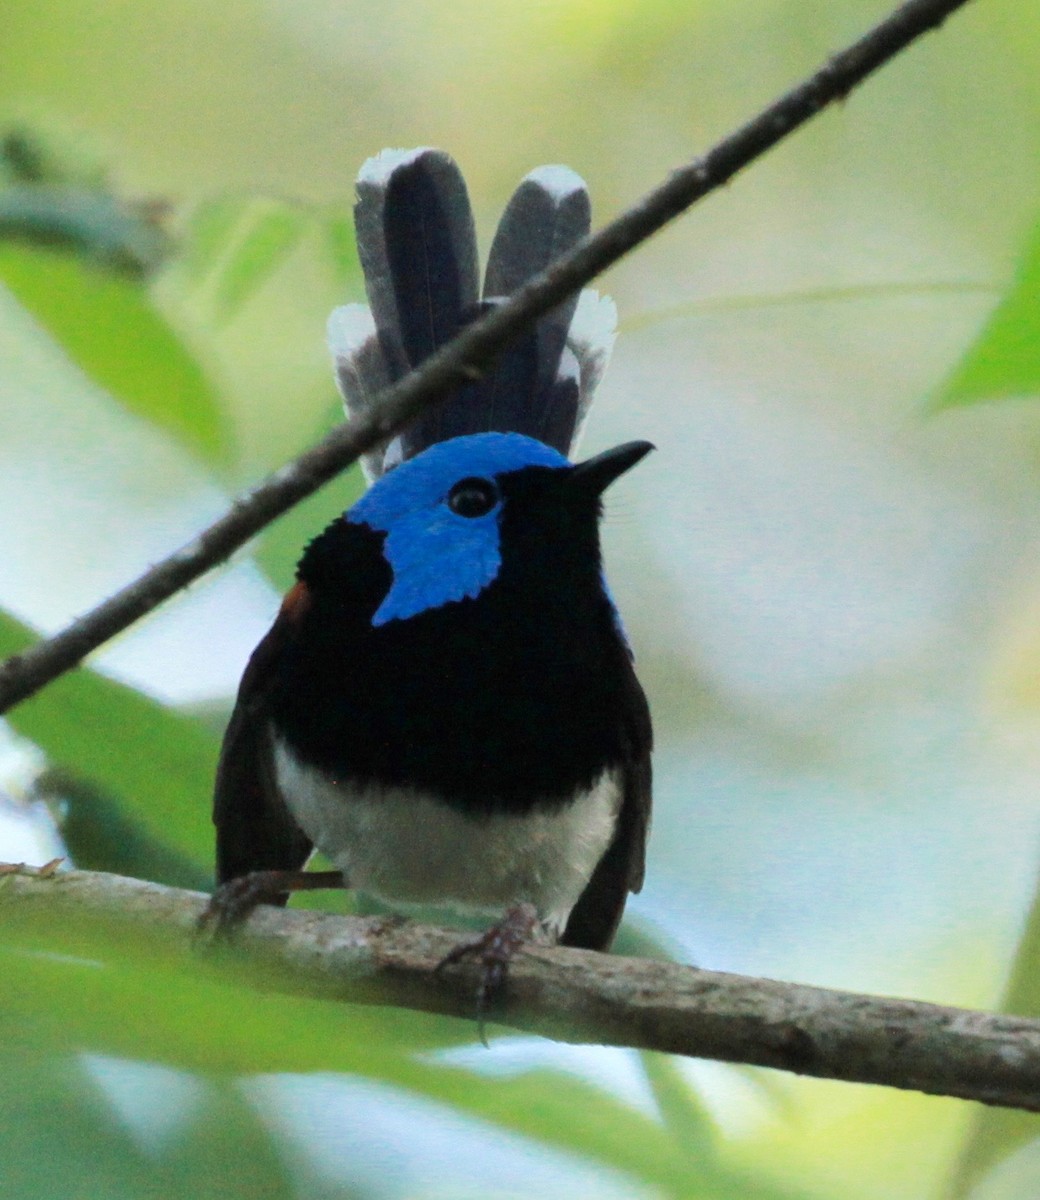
437, 558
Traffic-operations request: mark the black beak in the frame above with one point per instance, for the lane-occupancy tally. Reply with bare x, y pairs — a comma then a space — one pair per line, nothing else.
593, 476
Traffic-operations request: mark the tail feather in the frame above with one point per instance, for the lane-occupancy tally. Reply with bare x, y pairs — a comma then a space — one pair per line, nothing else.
548, 215
360, 363
418, 251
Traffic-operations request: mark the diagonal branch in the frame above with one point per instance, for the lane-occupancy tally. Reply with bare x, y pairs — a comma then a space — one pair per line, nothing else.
582, 996
471, 352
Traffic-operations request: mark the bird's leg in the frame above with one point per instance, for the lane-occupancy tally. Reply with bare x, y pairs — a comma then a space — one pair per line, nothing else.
233, 901
495, 948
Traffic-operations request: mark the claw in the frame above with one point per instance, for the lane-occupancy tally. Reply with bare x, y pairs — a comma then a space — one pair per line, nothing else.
496, 948
235, 900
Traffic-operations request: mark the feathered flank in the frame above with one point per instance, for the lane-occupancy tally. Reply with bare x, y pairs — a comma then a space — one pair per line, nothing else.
418, 252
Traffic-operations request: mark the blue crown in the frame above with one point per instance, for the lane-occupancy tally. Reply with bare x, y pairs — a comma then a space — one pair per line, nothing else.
436, 555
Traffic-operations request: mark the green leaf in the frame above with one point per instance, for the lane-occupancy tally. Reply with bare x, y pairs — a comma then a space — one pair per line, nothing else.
143, 998
271, 233
108, 326
99, 226
226, 1153
157, 763
343, 251
101, 836
208, 232
1004, 359
680, 1108
234, 245
61, 1140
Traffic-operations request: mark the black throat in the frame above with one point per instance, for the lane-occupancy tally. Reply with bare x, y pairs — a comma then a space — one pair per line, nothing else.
514, 699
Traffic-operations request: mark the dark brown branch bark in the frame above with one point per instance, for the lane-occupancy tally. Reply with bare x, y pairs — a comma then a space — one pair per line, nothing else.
470, 353
581, 996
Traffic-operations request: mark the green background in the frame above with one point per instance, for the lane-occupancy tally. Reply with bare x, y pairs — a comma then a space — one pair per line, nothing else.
830, 570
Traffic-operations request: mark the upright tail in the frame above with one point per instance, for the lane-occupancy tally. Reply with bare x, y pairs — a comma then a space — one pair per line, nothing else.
418, 251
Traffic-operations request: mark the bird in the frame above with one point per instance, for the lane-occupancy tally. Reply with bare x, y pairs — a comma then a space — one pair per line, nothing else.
446, 705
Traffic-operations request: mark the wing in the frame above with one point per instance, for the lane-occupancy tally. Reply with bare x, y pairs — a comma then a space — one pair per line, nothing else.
595, 918
254, 829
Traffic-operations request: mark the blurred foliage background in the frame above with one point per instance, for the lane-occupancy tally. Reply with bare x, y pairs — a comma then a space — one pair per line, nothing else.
830, 570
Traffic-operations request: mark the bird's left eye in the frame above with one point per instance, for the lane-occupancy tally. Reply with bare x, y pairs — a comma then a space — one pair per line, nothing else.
473, 497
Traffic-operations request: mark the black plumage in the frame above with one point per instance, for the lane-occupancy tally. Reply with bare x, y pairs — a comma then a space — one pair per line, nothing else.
509, 702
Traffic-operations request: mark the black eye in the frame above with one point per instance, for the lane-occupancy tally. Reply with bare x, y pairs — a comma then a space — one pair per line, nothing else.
473, 497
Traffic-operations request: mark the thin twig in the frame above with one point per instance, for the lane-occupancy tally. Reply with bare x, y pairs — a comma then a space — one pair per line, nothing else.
582, 996
471, 352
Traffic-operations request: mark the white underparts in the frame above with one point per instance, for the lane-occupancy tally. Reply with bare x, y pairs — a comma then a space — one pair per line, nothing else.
412, 850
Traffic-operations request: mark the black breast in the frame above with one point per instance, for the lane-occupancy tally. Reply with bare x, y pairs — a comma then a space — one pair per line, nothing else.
515, 698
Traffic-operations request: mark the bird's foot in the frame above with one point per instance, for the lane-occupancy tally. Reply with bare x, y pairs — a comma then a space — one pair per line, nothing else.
495, 948
233, 901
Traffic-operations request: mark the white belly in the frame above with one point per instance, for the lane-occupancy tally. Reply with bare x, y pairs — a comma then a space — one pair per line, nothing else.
411, 850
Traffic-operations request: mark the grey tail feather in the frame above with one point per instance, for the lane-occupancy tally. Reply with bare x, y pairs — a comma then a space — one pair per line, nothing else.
418, 251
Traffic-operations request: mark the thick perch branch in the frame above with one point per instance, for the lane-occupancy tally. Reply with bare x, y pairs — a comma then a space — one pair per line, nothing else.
581, 996
471, 352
